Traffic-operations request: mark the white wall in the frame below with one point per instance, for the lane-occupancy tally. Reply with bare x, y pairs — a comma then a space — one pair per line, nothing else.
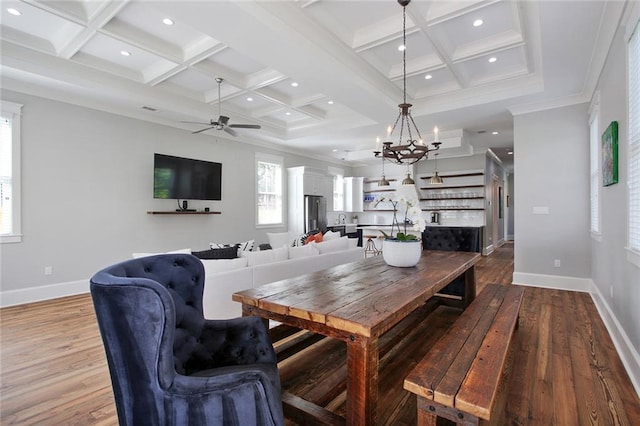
551, 157
87, 179
617, 281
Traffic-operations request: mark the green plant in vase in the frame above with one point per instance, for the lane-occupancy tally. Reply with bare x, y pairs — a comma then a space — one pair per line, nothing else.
413, 219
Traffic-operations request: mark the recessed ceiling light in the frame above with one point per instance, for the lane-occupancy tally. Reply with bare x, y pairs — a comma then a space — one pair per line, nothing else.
250, 99
167, 21
478, 22
14, 12
294, 84
330, 102
125, 53
428, 77
287, 113
334, 150
495, 133
402, 47
510, 152
493, 59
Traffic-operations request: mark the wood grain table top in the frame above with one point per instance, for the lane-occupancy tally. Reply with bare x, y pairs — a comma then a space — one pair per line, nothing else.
366, 297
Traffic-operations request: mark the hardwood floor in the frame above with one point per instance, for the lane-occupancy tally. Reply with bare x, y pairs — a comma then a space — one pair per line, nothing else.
53, 370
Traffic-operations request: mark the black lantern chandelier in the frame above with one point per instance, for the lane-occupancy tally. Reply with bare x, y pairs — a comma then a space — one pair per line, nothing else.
413, 149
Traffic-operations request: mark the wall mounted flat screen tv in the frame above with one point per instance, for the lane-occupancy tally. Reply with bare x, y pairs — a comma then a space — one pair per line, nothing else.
186, 179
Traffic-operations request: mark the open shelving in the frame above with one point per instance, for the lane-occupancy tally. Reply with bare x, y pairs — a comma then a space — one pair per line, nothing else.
181, 212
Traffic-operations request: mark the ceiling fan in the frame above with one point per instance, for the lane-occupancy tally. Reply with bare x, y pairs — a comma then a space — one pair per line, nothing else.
223, 121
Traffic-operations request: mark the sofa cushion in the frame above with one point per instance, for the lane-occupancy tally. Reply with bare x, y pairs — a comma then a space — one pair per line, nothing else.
304, 251
279, 239
244, 246
212, 266
183, 251
314, 238
266, 256
330, 235
221, 253
341, 243
299, 240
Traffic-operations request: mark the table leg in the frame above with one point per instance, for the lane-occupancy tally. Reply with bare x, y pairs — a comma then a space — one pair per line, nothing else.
469, 286
362, 381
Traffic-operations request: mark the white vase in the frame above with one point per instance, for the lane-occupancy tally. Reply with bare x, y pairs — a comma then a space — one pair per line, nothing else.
403, 254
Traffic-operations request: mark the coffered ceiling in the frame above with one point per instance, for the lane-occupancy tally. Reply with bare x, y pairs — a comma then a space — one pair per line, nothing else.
322, 78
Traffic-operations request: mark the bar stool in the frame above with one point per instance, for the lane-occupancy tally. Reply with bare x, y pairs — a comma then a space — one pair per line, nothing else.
370, 248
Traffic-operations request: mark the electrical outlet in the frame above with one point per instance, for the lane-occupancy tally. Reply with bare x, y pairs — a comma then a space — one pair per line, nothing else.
556, 263
48, 270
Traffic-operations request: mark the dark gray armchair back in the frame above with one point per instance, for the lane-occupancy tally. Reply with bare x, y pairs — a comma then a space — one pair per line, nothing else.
168, 364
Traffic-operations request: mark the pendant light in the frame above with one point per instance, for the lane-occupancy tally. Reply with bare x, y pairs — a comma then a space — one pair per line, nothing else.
408, 180
383, 181
436, 179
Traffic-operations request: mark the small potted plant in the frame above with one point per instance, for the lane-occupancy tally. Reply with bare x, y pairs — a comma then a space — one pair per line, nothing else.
404, 248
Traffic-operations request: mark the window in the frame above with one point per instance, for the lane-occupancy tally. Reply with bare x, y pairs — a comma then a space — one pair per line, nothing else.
10, 231
594, 148
269, 189
338, 188
338, 193
634, 143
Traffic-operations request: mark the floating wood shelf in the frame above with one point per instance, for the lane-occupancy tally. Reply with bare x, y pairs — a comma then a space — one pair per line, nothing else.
451, 187
180, 212
451, 198
377, 180
451, 208
379, 190
455, 175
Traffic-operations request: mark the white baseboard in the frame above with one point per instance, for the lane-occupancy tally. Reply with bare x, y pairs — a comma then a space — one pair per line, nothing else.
45, 292
628, 354
553, 281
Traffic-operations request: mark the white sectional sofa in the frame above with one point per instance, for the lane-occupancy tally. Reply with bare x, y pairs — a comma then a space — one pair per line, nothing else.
227, 276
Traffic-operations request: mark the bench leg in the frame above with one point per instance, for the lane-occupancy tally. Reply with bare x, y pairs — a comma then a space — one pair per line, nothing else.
429, 411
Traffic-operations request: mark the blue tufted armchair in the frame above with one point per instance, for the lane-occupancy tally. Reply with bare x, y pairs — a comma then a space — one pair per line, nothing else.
169, 365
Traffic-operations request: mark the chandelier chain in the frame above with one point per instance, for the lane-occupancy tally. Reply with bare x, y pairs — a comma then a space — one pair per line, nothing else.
412, 150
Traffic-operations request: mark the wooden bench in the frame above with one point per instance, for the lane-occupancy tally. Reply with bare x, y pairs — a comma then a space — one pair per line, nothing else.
463, 376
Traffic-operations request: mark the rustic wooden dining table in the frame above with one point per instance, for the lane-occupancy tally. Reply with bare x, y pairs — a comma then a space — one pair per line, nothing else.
357, 303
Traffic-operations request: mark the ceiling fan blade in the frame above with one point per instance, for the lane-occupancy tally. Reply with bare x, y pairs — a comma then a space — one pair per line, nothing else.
199, 122
230, 131
245, 126
203, 130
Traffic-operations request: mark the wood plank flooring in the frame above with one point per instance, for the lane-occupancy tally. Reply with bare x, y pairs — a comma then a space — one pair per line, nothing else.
53, 370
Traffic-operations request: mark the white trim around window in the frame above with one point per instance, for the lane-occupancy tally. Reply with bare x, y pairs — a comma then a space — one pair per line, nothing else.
633, 180
594, 167
13, 111
275, 196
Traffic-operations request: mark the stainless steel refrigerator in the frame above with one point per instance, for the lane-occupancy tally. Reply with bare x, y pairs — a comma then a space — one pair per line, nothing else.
315, 213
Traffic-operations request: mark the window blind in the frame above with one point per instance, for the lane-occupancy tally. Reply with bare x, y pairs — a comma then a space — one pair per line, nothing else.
634, 140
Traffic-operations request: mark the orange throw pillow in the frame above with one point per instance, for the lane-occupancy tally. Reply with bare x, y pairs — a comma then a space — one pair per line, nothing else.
311, 238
